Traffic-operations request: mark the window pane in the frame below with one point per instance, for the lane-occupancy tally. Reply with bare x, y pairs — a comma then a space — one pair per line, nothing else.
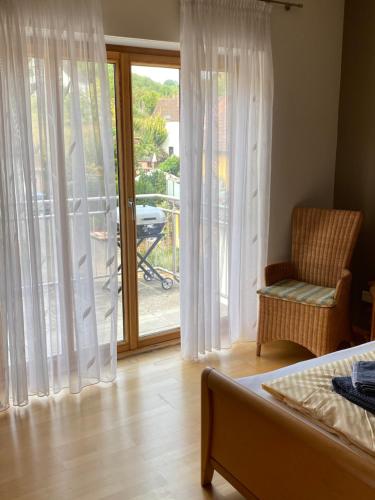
155, 93
121, 334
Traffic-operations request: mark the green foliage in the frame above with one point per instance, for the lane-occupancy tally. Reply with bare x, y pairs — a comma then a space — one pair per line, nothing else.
150, 133
153, 130
150, 183
171, 165
144, 101
150, 130
147, 92
163, 254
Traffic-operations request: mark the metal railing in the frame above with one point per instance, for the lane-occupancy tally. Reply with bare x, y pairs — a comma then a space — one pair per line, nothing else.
165, 257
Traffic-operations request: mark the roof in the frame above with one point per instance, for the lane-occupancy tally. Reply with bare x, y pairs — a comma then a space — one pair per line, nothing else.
168, 108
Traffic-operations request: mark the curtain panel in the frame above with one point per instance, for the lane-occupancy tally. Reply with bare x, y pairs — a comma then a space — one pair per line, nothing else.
226, 129
58, 243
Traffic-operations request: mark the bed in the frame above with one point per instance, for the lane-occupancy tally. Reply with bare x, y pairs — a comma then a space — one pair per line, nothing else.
267, 450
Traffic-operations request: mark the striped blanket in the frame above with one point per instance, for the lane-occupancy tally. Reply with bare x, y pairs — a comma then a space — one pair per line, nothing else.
299, 291
311, 393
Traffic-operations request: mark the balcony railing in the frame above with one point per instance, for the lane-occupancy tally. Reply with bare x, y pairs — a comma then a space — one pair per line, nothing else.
165, 256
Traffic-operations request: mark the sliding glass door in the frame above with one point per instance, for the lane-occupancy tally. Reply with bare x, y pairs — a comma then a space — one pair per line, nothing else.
145, 108
113, 94
155, 105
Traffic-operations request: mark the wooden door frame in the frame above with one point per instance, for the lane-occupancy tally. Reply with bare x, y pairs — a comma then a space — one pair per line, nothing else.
123, 57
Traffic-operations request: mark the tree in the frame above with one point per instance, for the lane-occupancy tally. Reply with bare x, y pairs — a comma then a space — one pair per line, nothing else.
171, 88
146, 93
151, 133
154, 130
151, 183
171, 165
144, 101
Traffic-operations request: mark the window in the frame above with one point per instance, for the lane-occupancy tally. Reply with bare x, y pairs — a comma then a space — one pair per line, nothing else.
145, 109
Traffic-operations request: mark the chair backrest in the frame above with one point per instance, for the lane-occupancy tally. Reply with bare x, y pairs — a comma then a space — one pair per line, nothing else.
323, 241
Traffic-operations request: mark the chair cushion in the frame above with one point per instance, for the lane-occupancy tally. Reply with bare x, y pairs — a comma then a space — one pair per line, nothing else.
301, 292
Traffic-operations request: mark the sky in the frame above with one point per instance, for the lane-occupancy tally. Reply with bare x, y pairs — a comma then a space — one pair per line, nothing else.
159, 75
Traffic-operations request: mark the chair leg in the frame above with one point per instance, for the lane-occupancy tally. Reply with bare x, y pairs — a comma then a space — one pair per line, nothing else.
259, 347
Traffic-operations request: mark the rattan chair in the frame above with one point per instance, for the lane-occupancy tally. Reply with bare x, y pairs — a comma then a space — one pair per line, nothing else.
306, 300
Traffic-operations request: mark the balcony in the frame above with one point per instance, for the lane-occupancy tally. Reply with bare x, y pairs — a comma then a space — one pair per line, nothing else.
159, 307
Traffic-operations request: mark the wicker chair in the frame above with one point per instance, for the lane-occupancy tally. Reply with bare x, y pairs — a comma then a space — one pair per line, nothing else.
306, 300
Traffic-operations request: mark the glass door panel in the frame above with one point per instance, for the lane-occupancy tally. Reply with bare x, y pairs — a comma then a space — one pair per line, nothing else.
155, 108
112, 79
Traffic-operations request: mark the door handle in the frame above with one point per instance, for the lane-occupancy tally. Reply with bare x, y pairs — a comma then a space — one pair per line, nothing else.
132, 206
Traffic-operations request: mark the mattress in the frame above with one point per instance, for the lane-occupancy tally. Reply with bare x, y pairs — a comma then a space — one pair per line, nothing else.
254, 384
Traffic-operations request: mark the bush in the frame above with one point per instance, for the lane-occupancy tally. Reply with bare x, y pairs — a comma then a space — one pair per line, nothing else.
151, 183
171, 165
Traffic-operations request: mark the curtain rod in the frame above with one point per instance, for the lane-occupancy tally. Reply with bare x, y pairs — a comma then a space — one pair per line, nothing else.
287, 5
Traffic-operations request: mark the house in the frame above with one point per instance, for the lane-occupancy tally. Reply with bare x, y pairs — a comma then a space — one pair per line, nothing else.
169, 109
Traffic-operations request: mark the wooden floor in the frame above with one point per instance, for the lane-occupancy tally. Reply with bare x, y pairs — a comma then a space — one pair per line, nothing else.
138, 438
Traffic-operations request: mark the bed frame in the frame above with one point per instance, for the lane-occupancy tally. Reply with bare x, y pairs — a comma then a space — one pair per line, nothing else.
268, 453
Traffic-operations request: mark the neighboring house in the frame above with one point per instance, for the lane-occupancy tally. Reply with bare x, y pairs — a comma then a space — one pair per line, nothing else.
169, 109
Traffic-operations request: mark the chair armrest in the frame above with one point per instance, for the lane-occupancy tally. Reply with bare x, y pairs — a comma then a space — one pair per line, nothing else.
343, 285
279, 271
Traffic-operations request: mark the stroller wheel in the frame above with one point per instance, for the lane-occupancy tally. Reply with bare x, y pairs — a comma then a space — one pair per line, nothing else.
148, 276
167, 283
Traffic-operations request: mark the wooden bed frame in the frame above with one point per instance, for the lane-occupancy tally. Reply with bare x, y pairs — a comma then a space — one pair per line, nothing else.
268, 453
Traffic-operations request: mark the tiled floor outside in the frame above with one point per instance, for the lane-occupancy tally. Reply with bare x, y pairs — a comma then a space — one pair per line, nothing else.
159, 309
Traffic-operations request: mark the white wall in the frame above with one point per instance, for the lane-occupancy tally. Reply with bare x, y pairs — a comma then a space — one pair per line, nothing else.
307, 61
149, 19
307, 47
173, 139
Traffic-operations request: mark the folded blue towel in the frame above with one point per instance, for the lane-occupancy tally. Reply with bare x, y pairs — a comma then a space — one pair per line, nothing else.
363, 376
344, 387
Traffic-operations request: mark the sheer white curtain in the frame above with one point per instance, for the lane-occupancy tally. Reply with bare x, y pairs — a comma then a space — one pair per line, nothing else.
226, 126
58, 251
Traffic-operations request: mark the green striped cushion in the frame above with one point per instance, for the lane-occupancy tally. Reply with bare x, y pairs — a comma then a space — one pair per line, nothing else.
298, 291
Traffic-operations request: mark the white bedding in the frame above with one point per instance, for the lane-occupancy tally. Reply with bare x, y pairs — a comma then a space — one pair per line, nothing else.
254, 384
